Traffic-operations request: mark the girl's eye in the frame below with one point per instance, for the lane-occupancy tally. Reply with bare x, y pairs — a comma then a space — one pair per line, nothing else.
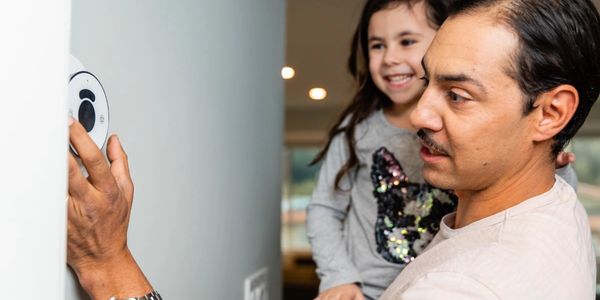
376, 46
425, 80
407, 42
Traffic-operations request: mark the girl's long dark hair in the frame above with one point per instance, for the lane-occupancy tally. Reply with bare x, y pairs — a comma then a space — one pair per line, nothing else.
368, 97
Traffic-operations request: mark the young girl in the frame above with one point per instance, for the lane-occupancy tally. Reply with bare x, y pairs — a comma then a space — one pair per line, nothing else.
371, 212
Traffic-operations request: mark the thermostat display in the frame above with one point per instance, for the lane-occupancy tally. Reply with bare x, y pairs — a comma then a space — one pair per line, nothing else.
88, 104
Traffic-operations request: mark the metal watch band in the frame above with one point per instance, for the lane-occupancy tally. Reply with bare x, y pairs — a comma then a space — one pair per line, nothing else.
154, 295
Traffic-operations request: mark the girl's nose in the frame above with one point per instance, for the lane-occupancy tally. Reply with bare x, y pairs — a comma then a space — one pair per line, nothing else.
391, 57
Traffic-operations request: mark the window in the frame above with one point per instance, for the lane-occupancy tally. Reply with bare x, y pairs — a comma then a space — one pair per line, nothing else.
587, 167
299, 180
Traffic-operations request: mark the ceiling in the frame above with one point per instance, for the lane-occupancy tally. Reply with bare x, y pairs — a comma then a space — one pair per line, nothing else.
318, 44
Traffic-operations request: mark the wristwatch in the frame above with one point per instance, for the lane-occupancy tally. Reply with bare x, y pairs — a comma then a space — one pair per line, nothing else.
150, 296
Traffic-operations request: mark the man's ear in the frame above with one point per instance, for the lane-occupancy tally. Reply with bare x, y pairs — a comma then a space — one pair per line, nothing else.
554, 110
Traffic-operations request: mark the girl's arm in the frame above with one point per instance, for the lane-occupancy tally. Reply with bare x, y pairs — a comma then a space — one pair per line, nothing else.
326, 214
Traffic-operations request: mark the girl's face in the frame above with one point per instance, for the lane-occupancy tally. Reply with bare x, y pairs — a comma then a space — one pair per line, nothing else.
398, 38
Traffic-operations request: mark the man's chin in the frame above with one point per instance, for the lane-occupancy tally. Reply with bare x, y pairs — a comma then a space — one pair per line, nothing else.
438, 179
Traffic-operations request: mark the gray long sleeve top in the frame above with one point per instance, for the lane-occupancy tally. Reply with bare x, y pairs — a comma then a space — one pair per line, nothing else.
341, 224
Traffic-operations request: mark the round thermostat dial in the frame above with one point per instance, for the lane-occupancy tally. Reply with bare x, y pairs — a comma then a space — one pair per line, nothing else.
88, 105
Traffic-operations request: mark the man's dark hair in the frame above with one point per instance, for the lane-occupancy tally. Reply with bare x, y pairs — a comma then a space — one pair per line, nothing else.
559, 43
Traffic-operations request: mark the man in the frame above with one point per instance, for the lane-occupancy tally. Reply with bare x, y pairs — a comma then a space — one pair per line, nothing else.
98, 216
509, 84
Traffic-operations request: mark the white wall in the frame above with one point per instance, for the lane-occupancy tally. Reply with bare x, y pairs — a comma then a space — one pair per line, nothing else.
196, 97
33, 157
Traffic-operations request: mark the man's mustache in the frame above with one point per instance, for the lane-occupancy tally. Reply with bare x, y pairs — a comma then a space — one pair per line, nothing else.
430, 143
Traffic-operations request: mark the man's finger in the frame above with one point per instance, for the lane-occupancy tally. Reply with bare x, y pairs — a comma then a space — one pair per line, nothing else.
91, 157
116, 155
78, 185
119, 165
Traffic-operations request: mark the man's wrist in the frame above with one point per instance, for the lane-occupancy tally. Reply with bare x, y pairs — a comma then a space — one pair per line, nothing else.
119, 276
154, 295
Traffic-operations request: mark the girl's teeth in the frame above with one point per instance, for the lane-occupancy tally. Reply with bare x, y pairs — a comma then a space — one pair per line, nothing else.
398, 78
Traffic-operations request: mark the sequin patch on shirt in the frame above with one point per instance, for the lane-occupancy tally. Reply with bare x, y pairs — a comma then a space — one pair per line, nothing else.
408, 214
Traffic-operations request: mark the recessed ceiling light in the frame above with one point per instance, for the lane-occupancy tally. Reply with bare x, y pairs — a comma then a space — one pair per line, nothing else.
288, 72
317, 93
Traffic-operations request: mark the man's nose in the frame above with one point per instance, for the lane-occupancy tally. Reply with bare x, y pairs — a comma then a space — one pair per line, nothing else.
426, 114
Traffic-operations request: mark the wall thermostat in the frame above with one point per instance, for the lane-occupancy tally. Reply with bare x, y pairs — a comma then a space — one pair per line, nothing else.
87, 103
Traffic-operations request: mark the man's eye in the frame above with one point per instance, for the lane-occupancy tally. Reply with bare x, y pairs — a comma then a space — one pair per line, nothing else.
425, 80
407, 42
455, 98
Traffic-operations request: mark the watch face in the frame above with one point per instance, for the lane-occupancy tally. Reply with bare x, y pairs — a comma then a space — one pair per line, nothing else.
89, 106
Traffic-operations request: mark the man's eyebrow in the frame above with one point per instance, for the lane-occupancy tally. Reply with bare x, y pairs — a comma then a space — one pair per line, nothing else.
454, 77
460, 77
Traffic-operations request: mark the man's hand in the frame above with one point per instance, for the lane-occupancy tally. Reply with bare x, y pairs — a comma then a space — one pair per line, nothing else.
342, 292
564, 158
98, 217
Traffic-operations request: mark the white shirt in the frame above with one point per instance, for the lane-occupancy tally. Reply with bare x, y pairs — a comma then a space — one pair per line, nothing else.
538, 249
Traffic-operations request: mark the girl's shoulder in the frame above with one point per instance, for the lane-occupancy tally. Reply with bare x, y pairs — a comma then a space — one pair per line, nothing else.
339, 141
377, 128
373, 119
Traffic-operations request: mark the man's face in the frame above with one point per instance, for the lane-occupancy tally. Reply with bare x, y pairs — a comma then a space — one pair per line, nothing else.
471, 114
